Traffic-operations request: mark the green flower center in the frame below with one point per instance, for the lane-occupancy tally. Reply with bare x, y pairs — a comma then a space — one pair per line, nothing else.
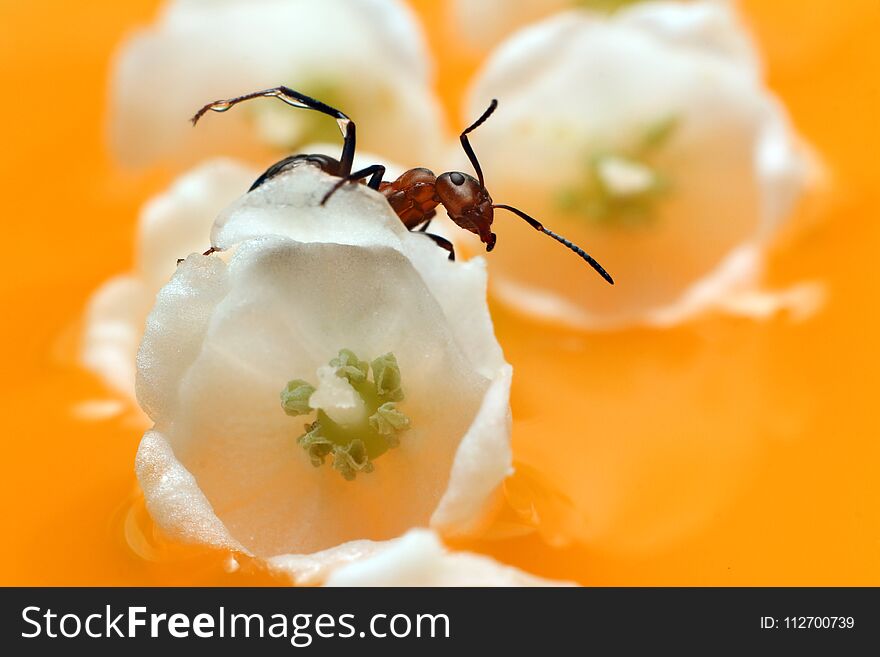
364, 421
622, 187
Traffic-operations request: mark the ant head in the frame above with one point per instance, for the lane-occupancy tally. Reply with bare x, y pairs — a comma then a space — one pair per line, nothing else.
468, 204
458, 192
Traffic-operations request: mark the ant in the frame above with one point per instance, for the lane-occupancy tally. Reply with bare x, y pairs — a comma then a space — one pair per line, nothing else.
415, 195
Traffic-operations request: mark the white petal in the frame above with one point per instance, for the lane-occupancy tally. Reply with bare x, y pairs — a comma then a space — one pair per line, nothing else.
419, 559
175, 331
460, 289
415, 559
173, 498
95, 410
486, 22
785, 166
368, 56
801, 302
732, 288
112, 331
178, 222
483, 23
289, 205
482, 462
711, 27
313, 569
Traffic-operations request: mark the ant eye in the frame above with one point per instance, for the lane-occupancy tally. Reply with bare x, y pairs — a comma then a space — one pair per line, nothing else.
456, 178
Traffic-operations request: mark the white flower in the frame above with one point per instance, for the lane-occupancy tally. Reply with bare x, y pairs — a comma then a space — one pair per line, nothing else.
419, 559
648, 139
172, 226
301, 286
365, 57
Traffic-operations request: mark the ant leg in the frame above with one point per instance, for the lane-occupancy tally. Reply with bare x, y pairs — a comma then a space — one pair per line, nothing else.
466, 145
428, 218
296, 99
376, 178
442, 242
206, 253
375, 171
534, 223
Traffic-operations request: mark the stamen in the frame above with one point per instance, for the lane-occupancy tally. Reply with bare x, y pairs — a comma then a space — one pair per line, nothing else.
348, 366
316, 445
295, 397
354, 440
387, 420
352, 459
386, 374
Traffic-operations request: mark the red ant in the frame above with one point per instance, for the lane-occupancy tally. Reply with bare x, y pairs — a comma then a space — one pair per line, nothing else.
415, 195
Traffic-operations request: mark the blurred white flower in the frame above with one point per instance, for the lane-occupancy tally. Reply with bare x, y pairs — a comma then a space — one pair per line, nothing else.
483, 23
419, 559
171, 226
647, 138
393, 409
366, 57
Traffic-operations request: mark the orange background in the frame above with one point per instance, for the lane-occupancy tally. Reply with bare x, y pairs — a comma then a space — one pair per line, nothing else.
722, 452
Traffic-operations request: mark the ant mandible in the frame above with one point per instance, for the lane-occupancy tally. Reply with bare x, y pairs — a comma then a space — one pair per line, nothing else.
415, 195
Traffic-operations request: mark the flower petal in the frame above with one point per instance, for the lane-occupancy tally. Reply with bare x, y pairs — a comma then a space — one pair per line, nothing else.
314, 569
714, 28
173, 497
178, 222
111, 331
419, 559
482, 462
289, 206
176, 327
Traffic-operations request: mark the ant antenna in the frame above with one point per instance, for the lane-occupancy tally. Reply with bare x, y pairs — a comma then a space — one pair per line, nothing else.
534, 223
466, 145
